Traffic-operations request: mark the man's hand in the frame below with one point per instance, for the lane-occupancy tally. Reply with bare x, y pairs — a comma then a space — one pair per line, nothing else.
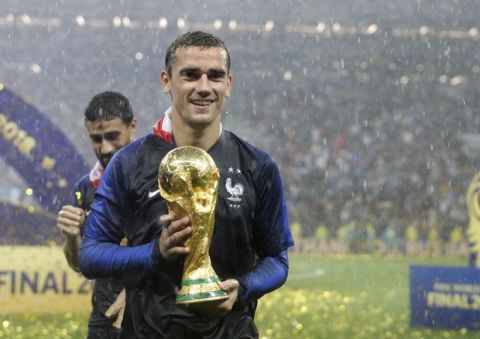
220, 307
117, 309
70, 220
174, 234
231, 287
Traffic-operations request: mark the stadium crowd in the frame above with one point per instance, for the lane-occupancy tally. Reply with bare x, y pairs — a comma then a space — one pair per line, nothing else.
373, 132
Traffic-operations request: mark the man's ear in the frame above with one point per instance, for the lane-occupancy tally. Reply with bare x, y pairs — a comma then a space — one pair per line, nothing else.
229, 84
133, 129
165, 80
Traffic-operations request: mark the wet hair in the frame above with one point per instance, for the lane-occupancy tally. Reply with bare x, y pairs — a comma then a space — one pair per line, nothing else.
199, 39
108, 106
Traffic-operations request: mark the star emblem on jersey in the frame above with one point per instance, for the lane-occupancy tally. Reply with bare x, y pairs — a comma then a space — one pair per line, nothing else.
235, 190
233, 170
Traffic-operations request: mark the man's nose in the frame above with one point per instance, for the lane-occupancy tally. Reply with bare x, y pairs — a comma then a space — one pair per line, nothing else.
203, 85
106, 147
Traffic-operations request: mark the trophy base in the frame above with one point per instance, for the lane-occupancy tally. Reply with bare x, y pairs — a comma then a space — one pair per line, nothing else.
200, 291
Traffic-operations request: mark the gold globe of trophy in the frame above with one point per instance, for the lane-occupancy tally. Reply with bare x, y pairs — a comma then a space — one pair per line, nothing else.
188, 181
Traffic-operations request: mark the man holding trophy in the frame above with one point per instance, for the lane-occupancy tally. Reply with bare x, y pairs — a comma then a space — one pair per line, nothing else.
204, 212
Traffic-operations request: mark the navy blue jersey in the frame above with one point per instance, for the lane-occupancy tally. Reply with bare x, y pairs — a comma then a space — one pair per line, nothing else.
251, 230
105, 291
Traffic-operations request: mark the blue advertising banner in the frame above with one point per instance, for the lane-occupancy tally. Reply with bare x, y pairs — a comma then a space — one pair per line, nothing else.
446, 297
27, 225
38, 151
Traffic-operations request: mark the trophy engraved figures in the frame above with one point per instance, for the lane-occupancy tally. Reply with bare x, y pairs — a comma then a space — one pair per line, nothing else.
188, 181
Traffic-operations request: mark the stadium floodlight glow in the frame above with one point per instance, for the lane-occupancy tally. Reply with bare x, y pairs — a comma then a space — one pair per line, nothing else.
232, 24
269, 25
336, 27
80, 20
10, 17
181, 23
217, 24
163, 22
287, 75
372, 29
321, 27
473, 32
35, 68
139, 56
26, 19
424, 30
29, 191
117, 21
126, 21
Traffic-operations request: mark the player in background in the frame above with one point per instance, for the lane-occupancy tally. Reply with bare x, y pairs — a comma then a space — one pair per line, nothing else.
110, 124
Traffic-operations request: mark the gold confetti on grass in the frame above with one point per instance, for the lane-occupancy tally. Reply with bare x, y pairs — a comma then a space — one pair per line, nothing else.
288, 314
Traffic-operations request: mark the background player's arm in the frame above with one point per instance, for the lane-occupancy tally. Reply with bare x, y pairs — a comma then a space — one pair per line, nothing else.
70, 221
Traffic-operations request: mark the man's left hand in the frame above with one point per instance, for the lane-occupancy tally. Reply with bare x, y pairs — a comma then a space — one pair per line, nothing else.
221, 307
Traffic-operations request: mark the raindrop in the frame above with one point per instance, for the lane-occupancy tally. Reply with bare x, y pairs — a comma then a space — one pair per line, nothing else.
287, 75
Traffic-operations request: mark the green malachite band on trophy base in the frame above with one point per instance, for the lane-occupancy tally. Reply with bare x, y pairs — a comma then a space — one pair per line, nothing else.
201, 296
189, 282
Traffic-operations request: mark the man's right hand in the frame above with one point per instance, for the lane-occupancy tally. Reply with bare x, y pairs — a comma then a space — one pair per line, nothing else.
174, 234
70, 220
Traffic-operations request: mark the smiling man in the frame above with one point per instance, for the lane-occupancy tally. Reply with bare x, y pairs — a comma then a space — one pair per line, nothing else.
251, 237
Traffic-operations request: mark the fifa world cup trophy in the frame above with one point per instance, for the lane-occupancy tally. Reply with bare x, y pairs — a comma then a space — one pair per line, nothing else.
188, 181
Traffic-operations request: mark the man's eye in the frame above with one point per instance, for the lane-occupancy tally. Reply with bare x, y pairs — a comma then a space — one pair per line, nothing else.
111, 137
191, 76
96, 138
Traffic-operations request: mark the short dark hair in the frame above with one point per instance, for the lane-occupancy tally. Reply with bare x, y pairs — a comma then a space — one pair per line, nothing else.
199, 39
108, 106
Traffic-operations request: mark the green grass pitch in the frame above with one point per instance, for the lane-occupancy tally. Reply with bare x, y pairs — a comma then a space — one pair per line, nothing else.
326, 296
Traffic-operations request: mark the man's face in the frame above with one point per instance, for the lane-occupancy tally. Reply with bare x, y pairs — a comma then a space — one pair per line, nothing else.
108, 136
198, 85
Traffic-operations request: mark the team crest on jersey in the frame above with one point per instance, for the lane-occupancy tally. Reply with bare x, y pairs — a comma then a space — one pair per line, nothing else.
235, 190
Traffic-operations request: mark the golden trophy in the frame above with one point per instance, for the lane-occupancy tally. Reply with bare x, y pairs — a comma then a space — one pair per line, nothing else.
188, 181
